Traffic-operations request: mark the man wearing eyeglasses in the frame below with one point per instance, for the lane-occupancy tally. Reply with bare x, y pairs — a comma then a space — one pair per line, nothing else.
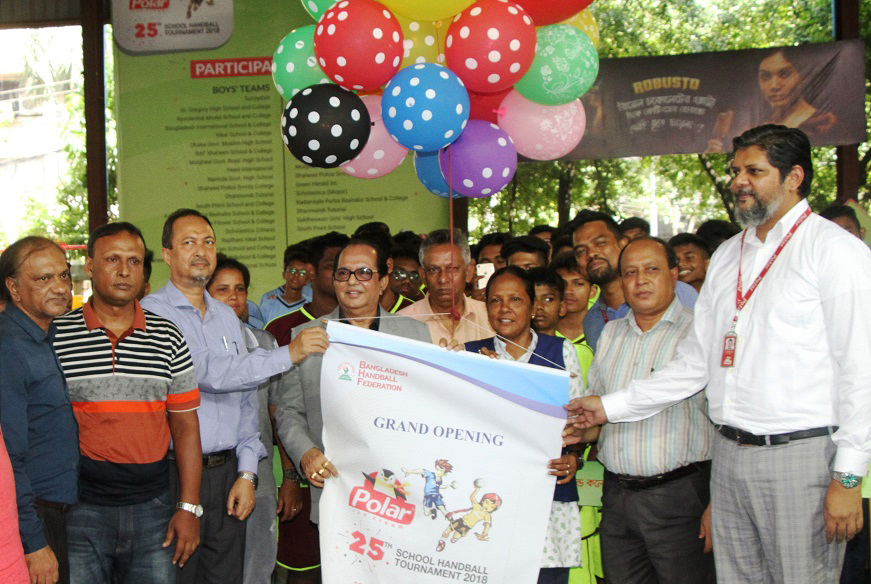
360, 276
290, 297
393, 301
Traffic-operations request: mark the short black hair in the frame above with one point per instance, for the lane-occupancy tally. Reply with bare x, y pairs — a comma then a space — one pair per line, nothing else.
166, 237
16, 254
367, 228
716, 231
404, 251
561, 241
518, 272
526, 244
110, 229
542, 229
635, 223
227, 263
836, 211
548, 277
670, 256
589, 216
496, 238
784, 148
148, 264
320, 244
381, 254
566, 261
297, 252
690, 239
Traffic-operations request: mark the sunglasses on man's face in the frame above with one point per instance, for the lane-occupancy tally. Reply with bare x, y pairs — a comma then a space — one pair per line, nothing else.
400, 274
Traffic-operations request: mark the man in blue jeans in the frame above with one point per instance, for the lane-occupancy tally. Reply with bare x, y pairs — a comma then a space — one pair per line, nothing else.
133, 387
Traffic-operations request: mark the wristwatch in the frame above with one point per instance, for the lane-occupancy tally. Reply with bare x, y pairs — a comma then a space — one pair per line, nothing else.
848, 480
248, 476
197, 510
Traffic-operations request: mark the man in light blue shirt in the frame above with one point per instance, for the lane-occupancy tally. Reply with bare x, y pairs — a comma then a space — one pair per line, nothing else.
228, 376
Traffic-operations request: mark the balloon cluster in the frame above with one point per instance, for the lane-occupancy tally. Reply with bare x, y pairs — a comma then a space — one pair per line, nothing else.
465, 85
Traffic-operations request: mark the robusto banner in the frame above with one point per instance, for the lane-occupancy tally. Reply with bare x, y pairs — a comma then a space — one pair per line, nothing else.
699, 102
442, 460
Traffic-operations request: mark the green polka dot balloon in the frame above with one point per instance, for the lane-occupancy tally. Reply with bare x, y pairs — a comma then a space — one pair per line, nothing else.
317, 7
294, 66
565, 67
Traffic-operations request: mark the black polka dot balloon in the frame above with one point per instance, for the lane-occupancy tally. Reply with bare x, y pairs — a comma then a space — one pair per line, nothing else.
325, 126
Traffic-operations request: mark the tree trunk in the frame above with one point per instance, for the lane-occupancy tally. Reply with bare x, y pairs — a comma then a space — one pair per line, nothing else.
568, 171
721, 184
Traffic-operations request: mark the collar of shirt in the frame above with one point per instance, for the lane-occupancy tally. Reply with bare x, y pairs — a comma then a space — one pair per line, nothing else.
373, 326
92, 321
780, 228
501, 348
613, 313
179, 300
670, 315
18, 316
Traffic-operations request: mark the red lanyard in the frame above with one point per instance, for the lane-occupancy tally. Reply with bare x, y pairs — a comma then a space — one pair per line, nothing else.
741, 300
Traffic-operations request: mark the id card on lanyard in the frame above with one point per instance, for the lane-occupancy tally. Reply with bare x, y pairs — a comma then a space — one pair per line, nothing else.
730, 341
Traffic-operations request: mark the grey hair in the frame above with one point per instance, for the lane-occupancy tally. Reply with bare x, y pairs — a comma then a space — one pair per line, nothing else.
443, 237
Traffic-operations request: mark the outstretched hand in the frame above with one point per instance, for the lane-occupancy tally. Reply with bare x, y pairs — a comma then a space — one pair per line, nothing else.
583, 412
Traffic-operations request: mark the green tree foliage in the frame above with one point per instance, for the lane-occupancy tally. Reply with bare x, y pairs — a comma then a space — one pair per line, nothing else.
552, 192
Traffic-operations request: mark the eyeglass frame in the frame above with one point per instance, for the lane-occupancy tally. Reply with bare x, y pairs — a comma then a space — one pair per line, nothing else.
370, 271
411, 275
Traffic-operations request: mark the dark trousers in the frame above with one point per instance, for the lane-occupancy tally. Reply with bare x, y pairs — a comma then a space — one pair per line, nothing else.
55, 523
221, 553
651, 535
858, 555
553, 576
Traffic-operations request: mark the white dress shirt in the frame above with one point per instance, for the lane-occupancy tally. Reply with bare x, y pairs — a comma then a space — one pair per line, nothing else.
803, 357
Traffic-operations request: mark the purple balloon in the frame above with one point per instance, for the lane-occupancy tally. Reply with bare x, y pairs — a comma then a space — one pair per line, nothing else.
482, 160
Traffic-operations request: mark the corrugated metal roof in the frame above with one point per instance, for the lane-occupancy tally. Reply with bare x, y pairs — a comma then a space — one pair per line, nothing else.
27, 13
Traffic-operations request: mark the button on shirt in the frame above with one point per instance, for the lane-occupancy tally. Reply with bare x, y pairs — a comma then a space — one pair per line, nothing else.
677, 436
228, 374
804, 341
38, 423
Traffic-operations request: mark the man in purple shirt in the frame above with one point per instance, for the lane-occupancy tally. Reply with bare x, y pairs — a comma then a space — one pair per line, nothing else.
228, 376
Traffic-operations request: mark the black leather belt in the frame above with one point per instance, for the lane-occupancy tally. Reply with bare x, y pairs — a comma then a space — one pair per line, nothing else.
62, 507
747, 439
636, 483
209, 460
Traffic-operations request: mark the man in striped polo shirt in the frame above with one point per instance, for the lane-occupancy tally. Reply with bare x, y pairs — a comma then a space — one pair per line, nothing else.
133, 387
655, 513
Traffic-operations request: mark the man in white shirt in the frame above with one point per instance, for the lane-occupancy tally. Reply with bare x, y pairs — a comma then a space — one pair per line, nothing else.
781, 339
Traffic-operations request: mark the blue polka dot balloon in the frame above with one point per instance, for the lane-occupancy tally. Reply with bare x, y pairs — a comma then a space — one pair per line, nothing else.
429, 173
425, 107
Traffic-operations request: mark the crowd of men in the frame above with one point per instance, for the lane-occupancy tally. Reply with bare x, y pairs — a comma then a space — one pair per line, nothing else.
727, 379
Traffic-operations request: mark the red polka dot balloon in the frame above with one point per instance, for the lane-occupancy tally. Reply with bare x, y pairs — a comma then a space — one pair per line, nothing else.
545, 12
490, 45
358, 44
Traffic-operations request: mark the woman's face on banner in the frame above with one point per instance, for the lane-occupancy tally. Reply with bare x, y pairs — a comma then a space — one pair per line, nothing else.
779, 80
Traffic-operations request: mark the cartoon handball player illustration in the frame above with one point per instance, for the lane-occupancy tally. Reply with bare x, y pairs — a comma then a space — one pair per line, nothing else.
432, 495
479, 512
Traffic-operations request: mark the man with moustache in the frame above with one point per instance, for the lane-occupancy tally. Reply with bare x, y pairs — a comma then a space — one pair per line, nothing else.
657, 471
360, 276
780, 340
39, 427
446, 268
133, 389
228, 376
597, 243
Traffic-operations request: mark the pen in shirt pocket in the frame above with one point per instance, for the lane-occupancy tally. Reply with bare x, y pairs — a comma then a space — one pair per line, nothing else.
226, 346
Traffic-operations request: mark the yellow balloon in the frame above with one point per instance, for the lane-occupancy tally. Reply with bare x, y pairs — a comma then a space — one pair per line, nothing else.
427, 10
585, 21
420, 42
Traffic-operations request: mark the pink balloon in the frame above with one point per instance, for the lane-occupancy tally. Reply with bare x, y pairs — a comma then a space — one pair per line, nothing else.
542, 132
382, 154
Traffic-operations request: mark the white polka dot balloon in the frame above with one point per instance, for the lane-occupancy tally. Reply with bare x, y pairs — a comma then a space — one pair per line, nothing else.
325, 125
481, 162
358, 43
425, 107
381, 155
490, 45
294, 66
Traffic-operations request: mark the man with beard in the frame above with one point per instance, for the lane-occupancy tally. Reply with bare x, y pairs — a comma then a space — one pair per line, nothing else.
597, 242
781, 339
228, 376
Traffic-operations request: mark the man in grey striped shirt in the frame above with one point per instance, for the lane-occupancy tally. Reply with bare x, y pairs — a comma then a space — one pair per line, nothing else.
655, 504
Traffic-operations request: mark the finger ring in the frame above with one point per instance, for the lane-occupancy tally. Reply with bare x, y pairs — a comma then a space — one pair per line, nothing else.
314, 475
321, 472
324, 465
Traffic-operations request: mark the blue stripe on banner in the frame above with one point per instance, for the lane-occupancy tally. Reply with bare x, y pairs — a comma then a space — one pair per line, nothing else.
537, 388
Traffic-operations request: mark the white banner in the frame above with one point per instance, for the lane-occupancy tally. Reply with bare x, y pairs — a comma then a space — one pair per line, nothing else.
442, 460
160, 26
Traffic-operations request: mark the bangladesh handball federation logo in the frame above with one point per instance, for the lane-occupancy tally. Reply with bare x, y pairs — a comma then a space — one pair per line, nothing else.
346, 372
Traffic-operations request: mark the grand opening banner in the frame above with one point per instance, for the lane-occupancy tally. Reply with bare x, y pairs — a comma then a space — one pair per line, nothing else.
442, 460
697, 103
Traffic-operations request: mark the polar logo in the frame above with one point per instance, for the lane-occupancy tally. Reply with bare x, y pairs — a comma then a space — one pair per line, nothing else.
149, 4
379, 504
